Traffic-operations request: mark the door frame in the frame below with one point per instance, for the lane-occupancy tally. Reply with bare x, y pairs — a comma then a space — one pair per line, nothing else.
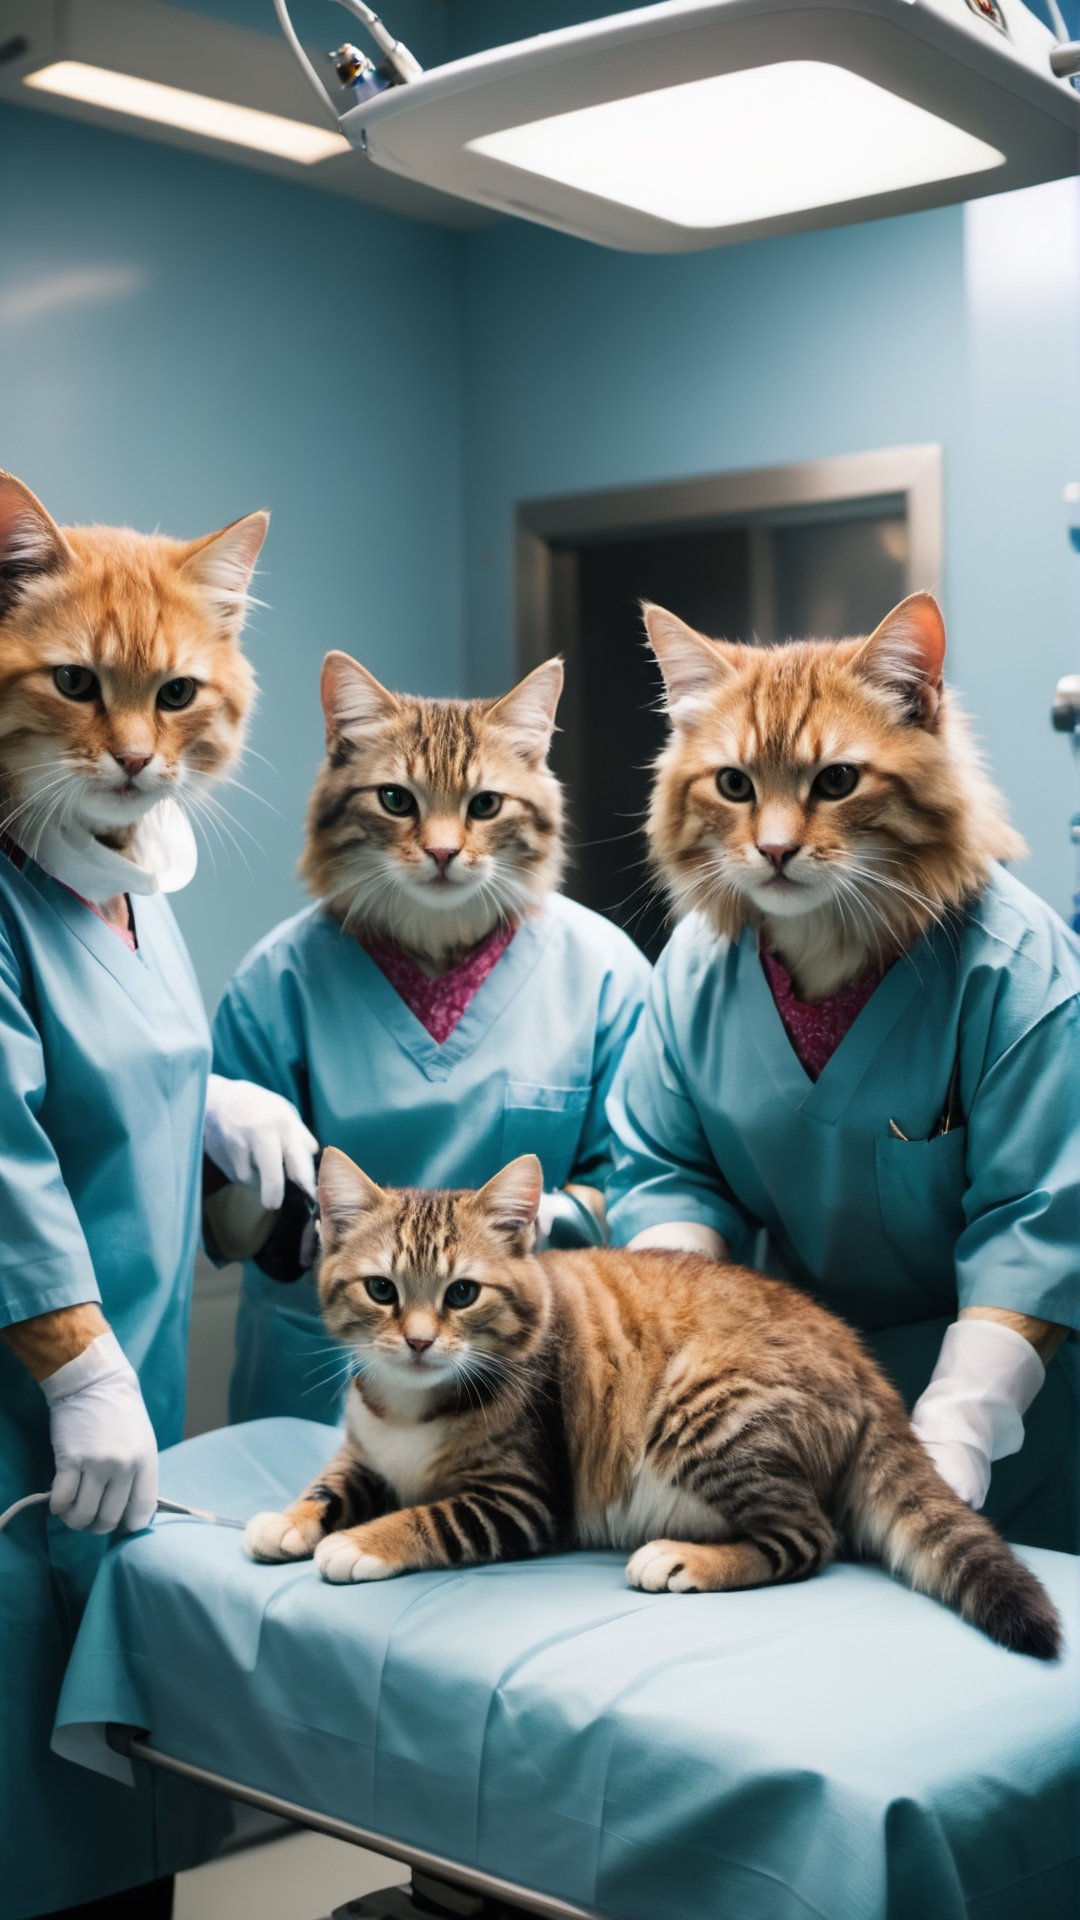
906, 479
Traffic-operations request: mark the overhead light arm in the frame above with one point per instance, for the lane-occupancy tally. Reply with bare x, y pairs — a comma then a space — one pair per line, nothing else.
399, 66
306, 68
401, 61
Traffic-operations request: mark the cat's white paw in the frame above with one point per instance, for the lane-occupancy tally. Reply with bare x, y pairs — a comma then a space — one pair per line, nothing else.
657, 1568
274, 1536
340, 1560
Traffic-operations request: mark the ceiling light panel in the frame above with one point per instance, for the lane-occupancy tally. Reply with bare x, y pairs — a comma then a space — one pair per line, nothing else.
194, 113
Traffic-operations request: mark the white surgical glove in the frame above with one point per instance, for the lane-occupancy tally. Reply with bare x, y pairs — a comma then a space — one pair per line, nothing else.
258, 1139
102, 1441
972, 1413
562, 1220
682, 1236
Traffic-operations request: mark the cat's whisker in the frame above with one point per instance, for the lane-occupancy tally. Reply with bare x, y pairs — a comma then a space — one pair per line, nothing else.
326, 1381
206, 808
902, 887
248, 752
214, 801
33, 799
232, 785
649, 886
47, 803
464, 1377
611, 839
342, 1370
931, 912
204, 821
200, 829
334, 1383
870, 917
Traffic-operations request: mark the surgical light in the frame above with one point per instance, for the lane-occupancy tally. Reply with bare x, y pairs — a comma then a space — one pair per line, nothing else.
696, 122
744, 146
194, 113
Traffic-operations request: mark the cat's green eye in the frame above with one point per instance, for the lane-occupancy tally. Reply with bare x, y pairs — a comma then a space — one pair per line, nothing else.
835, 783
382, 1291
734, 784
396, 800
484, 806
461, 1293
178, 693
75, 683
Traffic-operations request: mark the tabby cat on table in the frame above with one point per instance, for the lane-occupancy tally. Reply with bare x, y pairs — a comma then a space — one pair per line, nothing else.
718, 1425
441, 1008
861, 1043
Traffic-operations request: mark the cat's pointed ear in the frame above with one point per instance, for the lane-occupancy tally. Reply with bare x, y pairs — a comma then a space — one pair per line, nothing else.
221, 565
527, 712
906, 653
344, 1195
692, 666
512, 1198
30, 540
353, 700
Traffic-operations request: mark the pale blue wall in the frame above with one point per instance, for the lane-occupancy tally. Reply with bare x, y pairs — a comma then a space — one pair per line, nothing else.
182, 341
589, 369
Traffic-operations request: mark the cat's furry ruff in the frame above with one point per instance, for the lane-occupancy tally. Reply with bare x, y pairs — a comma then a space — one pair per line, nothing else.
872, 871
718, 1425
137, 611
373, 870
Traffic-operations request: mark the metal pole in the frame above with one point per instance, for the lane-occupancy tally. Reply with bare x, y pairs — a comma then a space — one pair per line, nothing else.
135, 1746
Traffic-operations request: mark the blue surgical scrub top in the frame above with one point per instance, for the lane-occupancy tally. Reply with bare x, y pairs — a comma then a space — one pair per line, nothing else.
527, 1069
105, 1057
714, 1119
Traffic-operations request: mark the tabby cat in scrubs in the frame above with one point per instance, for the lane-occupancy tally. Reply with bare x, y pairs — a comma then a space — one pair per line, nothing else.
719, 1425
862, 1044
441, 1008
122, 685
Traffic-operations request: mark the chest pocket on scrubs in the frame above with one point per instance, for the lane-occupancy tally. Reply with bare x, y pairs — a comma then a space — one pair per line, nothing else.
921, 1191
546, 1121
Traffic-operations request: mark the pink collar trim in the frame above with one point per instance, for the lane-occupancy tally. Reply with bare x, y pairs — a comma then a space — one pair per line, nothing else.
439, 1004
816, 1028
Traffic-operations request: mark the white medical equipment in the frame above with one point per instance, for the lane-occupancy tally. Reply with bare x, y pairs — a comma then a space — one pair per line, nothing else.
700, 122
163, 1506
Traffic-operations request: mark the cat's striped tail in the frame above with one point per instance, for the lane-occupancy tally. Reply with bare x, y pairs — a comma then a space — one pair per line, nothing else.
899, 1510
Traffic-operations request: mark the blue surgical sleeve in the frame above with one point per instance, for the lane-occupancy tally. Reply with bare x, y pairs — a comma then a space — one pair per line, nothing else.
1021, 1246
253, 1040
664, 1169
621, 1000
44, 1259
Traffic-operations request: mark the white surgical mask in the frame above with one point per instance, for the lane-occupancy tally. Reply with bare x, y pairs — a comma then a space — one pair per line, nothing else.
161, 857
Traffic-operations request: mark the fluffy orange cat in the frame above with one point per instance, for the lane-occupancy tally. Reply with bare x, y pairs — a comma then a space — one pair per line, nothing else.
838, 886
856, 1028
121, 682
719, 1426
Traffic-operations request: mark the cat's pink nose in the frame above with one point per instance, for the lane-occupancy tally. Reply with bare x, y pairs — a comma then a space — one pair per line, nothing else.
133, 763
418, 1345
442, 856
778, 852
